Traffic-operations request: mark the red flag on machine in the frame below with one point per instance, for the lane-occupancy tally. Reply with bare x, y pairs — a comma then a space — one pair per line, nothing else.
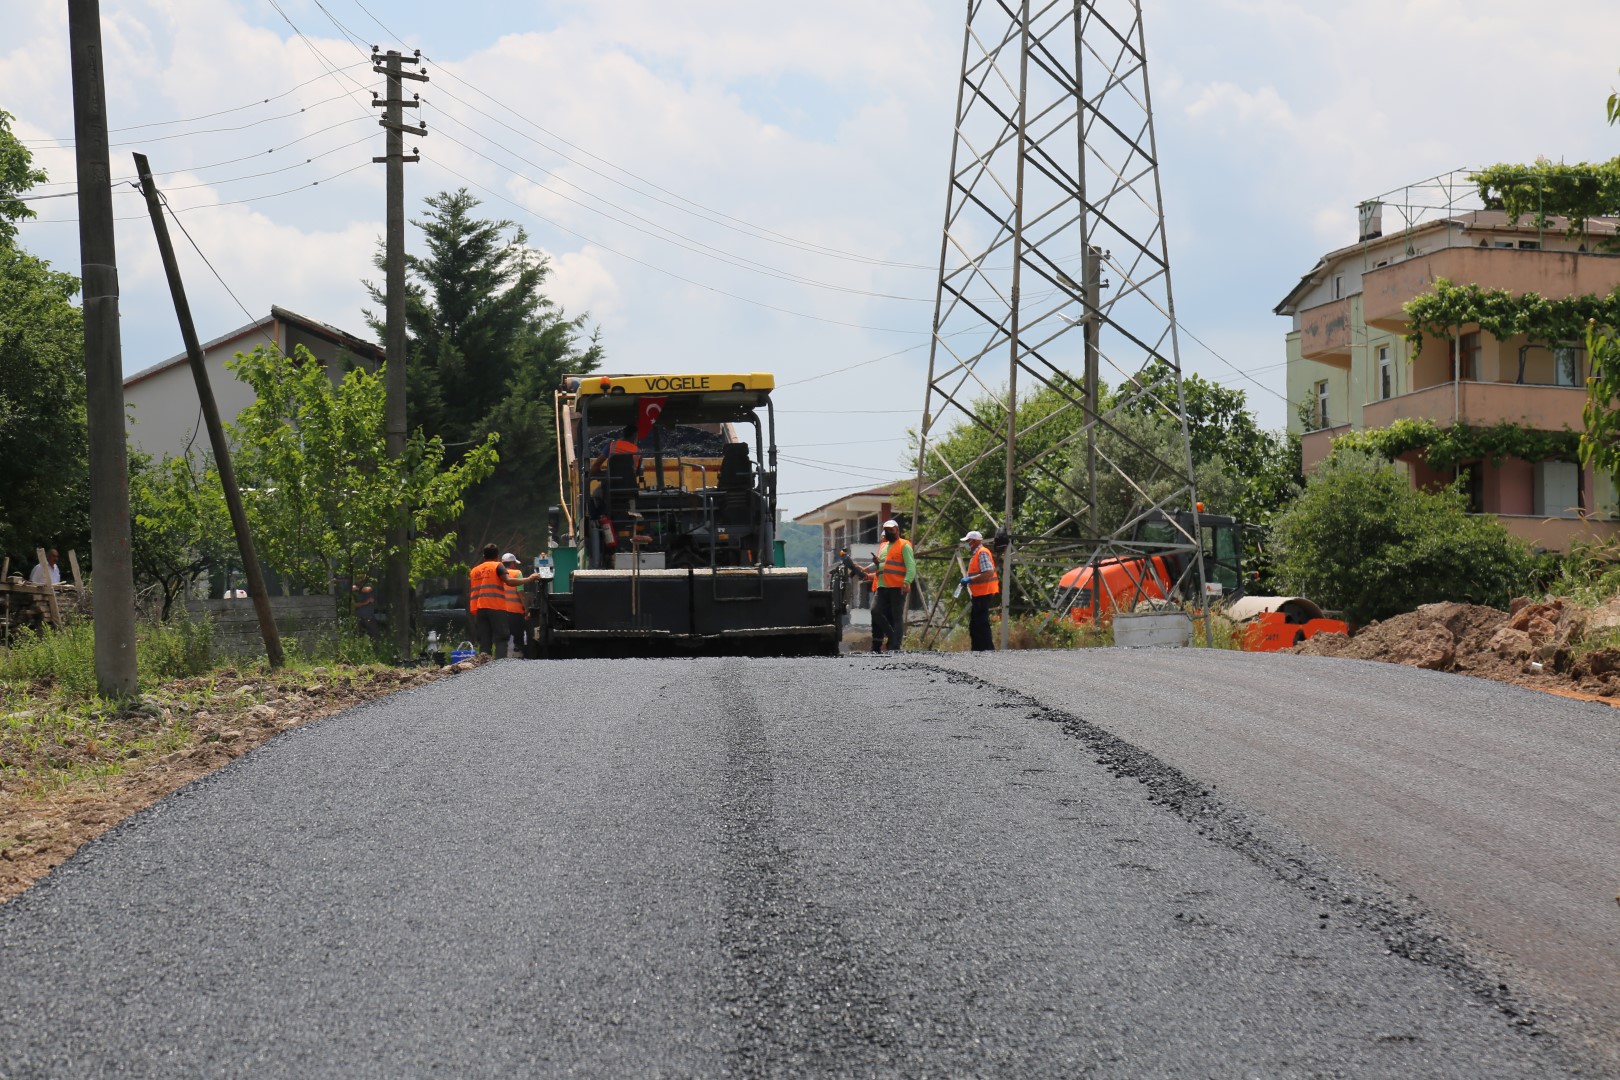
647, 412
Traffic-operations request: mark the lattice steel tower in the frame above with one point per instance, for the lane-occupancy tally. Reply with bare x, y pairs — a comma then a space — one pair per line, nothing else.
1054, 277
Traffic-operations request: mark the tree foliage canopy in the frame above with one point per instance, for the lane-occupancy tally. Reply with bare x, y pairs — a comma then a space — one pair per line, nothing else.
319, 486
45, 484
179, 525
1361, 539
17, 175
487, 351
1239, 468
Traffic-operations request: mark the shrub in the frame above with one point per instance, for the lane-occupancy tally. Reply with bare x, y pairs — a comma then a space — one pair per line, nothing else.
1361, 539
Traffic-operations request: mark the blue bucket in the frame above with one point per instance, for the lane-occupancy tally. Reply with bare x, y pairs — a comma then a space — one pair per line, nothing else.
463, 652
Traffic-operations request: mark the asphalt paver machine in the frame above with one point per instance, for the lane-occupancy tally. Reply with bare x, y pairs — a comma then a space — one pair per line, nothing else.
666, 539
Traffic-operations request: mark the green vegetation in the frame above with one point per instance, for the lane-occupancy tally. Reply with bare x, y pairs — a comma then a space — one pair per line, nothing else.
1545, 188
1361, 540
319, 486
45, 484
1447, 308
487, 351
1446, 447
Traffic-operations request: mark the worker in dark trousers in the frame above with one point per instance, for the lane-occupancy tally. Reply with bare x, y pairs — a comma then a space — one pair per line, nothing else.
894, 569
486, 603
984, 585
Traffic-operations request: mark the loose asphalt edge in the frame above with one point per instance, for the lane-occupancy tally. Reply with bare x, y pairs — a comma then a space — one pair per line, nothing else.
1405, 926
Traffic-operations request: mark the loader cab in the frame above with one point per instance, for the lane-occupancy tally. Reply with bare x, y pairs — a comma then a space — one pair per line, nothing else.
1220, 543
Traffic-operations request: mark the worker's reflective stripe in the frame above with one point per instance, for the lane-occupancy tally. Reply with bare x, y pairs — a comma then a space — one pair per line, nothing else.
893, 573
487, 591
984, 562
511, 599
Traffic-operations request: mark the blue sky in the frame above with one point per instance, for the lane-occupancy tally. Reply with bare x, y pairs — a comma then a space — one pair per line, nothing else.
727, 133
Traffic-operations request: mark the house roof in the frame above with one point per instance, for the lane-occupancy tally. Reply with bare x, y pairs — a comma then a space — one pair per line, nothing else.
886, 491
1492, 220
356, 345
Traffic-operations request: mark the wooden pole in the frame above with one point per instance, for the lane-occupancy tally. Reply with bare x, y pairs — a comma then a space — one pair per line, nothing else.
50, 591
103, 363
210, 411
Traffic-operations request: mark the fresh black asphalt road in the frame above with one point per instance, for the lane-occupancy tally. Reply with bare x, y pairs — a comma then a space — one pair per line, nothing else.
820, 868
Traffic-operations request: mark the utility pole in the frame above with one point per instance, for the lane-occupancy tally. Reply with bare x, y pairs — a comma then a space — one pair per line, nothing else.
103, 363
392, 64
210, 411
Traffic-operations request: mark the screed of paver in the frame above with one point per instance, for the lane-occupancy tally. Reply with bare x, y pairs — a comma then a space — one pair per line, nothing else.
705, 868
1497, 808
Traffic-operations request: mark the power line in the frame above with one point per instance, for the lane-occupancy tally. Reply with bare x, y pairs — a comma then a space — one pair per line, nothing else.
659, 269
226, 180
320, 57
697, 247
214, 205
68, 143
709, 214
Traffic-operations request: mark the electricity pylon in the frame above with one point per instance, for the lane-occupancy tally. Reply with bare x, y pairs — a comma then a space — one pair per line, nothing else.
1054, 279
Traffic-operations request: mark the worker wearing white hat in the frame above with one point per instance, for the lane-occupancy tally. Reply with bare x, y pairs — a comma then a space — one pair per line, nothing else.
983, 584
894, 569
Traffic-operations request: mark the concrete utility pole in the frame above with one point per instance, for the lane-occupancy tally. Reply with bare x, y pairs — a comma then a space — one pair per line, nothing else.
392, 64
103, 363
210, 411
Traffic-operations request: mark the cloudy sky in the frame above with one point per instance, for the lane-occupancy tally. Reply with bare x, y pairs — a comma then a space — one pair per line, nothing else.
724, 184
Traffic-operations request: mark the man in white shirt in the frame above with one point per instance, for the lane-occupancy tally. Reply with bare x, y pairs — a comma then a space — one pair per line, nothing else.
47, 571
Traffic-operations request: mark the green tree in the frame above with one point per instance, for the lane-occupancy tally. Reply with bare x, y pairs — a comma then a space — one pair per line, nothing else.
1137, 444
45, 485
45, 482
1361, 539
179, 526
17, 175
487, 351
319, 487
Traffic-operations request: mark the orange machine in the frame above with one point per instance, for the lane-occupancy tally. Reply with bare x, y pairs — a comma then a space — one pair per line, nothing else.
1273, 623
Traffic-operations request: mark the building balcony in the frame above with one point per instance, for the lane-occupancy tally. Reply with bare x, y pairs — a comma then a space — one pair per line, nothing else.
1324, 333
1556, 534
1553, 274
1316, 445
1482, 404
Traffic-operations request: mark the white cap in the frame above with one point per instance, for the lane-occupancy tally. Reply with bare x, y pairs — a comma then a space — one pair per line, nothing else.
509, 557
891, 524
974, 535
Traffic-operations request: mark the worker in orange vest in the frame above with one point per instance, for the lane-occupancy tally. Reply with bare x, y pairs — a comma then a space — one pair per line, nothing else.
894, 569
486, 602
982, 583
512, 582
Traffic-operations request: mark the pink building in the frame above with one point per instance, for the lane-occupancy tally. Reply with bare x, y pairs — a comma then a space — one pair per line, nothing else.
1350, 367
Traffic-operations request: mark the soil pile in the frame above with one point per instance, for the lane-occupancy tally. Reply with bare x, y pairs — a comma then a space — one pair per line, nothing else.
1556, 645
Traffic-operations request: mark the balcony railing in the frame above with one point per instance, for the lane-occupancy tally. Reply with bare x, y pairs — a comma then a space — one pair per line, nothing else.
1482, 404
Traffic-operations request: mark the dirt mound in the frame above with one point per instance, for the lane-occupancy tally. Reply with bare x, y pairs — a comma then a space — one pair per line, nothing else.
1440, 637
1530, 644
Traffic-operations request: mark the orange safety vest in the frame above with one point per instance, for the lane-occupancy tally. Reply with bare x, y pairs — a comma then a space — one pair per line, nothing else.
979, 562
625, 446
488, 590
511, 598
892, 574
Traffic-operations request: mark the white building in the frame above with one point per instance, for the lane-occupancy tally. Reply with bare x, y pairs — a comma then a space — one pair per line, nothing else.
162, 412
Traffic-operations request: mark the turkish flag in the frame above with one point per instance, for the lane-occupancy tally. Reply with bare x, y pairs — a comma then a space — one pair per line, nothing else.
648, 410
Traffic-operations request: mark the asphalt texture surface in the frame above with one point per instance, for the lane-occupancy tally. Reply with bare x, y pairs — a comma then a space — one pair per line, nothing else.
753, 868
